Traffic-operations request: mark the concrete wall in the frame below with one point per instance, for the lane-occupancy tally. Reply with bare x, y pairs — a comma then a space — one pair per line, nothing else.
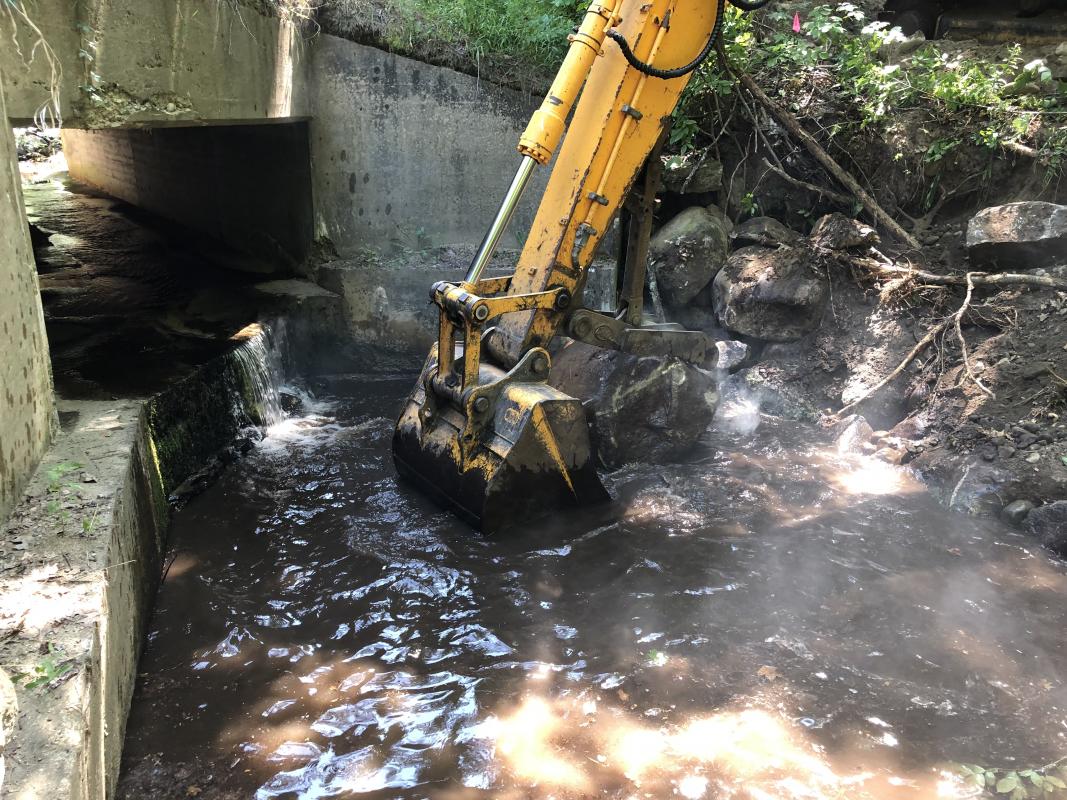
408, 155
248, 186
26, 402
156, 62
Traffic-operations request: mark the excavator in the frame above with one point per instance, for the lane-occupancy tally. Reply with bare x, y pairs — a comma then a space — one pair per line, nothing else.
483, 432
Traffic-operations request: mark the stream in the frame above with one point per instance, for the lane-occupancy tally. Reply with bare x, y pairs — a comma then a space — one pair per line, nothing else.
769, 620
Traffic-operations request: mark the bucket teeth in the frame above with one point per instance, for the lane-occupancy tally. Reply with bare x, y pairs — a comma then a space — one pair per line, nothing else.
534, 456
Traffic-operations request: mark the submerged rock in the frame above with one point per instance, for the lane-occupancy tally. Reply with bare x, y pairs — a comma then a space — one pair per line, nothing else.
773, 295
644, 410
1048, 524
687, 252
1018, 236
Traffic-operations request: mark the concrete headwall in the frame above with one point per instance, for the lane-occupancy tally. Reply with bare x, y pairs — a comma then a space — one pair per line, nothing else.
126, 62
407, 155
26, 403
248, 186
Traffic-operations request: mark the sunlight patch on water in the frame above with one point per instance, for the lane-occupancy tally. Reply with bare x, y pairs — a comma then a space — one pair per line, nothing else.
870, 476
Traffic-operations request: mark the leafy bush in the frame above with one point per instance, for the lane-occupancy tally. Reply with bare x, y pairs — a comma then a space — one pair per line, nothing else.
993, 101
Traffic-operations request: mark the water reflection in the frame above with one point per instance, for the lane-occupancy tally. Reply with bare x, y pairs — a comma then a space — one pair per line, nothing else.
768, 621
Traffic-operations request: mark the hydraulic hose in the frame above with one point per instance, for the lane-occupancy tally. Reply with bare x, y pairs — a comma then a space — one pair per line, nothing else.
749, 5
667, 74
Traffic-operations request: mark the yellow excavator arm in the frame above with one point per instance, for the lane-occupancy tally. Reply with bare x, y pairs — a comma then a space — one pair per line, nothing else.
483, 432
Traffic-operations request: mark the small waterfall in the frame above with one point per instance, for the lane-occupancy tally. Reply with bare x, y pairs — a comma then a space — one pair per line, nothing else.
258, 363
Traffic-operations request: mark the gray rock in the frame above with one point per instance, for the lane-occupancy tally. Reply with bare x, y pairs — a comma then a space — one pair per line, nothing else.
766, 231
1048, 524
646, 410
733, 355
852, 433
838, 232
772, 295
1018, 236
1015, 513
687, 252
692, 175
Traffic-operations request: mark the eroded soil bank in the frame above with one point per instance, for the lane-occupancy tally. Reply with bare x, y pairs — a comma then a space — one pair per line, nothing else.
769, 619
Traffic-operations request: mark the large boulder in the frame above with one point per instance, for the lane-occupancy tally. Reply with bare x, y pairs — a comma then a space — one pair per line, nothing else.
691, 175
649, 410
686, 253
1048, 525
766, 231
1017, 236
838, 232
773, 295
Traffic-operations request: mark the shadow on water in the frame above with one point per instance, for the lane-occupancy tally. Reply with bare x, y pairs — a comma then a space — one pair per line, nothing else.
770, 620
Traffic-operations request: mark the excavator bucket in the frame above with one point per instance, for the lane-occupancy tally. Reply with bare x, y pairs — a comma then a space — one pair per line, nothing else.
530, 456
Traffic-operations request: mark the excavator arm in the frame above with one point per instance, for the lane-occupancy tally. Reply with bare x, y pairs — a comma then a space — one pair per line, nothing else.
483, 432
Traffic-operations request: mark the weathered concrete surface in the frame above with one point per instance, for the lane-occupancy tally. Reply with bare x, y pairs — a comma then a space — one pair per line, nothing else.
82, 557
386, 302
248, 186
26, 405
158, 61
407, 155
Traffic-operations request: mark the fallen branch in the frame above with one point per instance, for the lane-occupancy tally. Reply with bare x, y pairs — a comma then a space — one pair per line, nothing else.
958, 320
887, 267
829, 194
792, 124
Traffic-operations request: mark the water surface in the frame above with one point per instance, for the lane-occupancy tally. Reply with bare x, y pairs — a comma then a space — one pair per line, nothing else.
771, 620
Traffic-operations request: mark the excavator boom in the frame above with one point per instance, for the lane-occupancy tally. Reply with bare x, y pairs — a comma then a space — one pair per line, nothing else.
483, 432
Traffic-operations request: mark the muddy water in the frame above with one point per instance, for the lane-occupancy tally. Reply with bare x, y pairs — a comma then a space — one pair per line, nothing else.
771, 620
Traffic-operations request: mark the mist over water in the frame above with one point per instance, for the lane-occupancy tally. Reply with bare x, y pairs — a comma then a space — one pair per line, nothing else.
770, 620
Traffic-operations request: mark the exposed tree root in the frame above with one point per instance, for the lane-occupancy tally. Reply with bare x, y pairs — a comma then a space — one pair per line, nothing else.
958, 320
925, 342
49, 114
888, 268
971, 280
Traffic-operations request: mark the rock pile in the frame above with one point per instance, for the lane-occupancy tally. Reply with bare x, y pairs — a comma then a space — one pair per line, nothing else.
795, 330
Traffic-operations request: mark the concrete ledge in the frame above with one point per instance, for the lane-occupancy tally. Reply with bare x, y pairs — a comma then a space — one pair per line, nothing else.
81, 557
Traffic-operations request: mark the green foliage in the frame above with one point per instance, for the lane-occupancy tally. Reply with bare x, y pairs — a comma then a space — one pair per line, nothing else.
1045, 782
847, 58
57, 474
42, 674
